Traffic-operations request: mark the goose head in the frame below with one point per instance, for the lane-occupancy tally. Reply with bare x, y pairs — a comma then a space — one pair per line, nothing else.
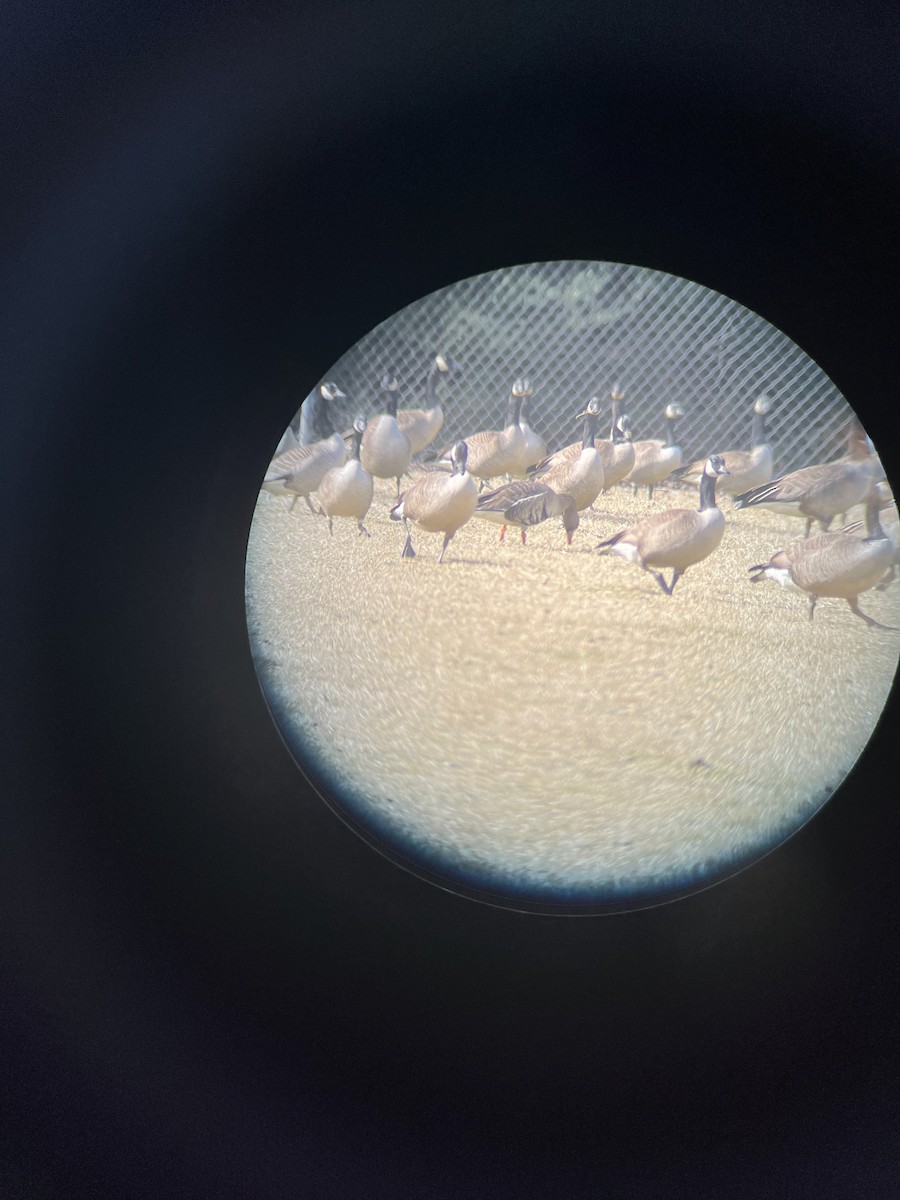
390, 385
617, 393
592, 408
624, 432
445, 365
715, 465
762, 405
521, 388
458, 456
570, 518
674, 412
331, 391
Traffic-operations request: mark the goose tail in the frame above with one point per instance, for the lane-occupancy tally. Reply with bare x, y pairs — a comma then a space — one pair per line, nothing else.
605, 546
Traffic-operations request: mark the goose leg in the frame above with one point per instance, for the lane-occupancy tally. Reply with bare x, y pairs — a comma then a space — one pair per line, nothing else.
362, 529
888, 578
809, 522
293, 502
649, 498
676, 575
523, 535
812, 606
502, 532
854, 604
407, 551
309, 505
447, 537
658, 576
330, 527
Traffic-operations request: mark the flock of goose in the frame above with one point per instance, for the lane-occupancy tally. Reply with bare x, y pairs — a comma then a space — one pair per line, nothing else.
447, 490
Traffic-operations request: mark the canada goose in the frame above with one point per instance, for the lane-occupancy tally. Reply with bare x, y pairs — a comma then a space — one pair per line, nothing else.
819, 492
527, 502
617, 453
422, 425
838, 564
678, 537
655, 460
438, 502
385, 449
494, 452
582, 477
316, 422
567, 454
347, 491
535, 446
747, 468
300, 470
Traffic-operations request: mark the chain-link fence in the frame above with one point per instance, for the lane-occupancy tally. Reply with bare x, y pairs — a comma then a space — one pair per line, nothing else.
576, 329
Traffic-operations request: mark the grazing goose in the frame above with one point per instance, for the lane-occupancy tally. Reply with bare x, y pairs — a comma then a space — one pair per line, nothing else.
655, 460
385, 449
678, 537
582, 477
535, 446
301, 469
347, 491
747, 468
438, 501
494, 452
819, 492
838, 564
527, 502
422, 425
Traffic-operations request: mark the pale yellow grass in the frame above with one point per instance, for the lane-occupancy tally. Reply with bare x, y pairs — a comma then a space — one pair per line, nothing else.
544, 717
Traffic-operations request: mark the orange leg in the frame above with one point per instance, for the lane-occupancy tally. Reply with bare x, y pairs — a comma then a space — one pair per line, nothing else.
502, 532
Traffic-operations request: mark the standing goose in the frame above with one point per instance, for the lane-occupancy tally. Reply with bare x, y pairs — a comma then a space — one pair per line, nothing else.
567, 454
498, 452
819, 492
301, 469
347, 491
438, 501
835, 564
526, 502
678, 537
422, 425
747, 468
655, 460
581, 478
535, 446
385, 449
618, 452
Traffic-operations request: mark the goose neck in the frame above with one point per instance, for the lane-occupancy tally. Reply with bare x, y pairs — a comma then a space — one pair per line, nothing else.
758, 430
708, 491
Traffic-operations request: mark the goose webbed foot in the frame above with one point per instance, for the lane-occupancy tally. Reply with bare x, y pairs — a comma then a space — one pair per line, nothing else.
658, 576
407, 551
854, 605
362, 529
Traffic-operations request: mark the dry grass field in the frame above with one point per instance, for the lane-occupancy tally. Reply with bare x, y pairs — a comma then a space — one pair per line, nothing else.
544, 720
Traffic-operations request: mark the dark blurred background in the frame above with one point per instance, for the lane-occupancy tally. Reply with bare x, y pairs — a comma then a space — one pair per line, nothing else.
211, 986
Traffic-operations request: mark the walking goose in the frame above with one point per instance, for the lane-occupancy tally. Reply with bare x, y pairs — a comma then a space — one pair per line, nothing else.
819, 492
747, 468
347, 491
438, 501
385, 449
301, 469
676, 538
526, 502
835, 564
582, 478
655, 460
494, 452
422, 425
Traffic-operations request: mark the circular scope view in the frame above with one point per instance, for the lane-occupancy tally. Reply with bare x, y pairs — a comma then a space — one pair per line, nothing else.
573, 585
